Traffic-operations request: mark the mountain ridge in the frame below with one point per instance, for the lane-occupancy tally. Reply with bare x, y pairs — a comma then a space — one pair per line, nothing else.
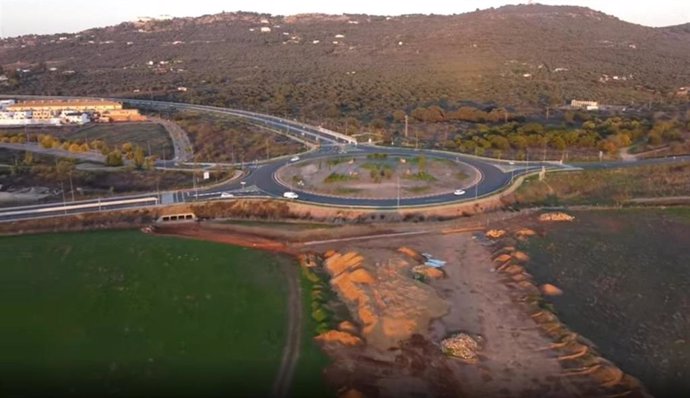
527, 56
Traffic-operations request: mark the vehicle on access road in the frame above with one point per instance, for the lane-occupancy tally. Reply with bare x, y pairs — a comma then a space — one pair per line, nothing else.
458, 192
290, 195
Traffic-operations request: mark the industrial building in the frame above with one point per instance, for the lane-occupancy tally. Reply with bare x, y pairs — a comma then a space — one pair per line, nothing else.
57, 112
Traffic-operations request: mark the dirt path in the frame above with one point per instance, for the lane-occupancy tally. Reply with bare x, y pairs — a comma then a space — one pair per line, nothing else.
515, 361
283, 381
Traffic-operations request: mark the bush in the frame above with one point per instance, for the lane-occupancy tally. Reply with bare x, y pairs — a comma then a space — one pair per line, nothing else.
320, 315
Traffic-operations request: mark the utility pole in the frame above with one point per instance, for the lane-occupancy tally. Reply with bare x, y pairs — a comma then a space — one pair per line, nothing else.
71, 187
405, 126
64, 201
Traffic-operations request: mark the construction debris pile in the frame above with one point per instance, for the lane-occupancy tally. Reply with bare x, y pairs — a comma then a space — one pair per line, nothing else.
463, 346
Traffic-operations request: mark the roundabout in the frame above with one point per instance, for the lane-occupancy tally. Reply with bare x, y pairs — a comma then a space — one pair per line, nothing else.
378, 176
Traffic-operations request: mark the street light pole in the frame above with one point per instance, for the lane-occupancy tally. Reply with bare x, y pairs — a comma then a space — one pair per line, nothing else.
71, 187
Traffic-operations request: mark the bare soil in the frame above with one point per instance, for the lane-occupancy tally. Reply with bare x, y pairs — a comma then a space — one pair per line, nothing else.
379, 178
514, 361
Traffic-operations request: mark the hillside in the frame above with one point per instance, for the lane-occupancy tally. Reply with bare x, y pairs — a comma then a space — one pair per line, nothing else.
323, 66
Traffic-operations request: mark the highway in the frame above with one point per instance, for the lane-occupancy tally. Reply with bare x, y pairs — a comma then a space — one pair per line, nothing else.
260, 179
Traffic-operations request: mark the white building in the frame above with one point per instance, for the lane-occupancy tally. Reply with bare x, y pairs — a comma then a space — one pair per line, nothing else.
588, 105
74, 117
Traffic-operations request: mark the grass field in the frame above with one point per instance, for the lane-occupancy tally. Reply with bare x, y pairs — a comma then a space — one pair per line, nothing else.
609, 187
625, 279
116, 134
126, 314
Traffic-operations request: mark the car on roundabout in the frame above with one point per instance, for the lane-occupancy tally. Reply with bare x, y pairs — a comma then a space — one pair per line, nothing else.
458, 192
294, 158
290, 195
225, 195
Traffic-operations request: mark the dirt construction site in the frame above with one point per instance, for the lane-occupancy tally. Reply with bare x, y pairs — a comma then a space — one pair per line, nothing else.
435, 310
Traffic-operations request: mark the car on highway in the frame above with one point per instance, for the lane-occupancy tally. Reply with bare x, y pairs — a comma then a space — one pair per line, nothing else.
290, 195
226, 195
294, 158
458, 192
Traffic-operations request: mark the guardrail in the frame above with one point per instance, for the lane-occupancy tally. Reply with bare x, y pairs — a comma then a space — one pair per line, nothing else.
84, 206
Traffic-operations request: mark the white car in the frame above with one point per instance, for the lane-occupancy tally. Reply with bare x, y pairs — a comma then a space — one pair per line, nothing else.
294, 158
226, 195
290, 195
458, 192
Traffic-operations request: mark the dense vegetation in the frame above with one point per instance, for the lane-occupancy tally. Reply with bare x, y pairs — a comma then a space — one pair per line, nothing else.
226, 139
327, 68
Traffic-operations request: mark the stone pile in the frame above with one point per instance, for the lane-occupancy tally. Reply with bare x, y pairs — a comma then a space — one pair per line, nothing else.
463, 346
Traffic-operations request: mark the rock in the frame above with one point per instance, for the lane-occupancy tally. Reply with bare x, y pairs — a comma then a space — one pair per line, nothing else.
557, 216
548, 289
495, 233
521, 256
348, 327
338, 337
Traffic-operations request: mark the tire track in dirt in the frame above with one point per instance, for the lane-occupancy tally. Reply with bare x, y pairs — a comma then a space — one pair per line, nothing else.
283, 381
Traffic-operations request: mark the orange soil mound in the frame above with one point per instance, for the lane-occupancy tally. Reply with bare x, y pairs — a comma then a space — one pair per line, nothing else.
385, 300
338, 337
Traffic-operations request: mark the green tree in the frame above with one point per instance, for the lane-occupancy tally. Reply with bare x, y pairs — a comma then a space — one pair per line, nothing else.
422, 164
139, 157
114, 159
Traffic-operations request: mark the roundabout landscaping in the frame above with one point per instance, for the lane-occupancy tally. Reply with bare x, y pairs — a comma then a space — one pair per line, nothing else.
378, 176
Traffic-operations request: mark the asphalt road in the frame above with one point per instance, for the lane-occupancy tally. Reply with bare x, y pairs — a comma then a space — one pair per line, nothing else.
259, 180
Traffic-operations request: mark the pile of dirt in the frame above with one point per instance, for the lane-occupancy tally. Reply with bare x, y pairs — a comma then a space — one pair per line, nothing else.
548, 289
495, 233
389, 305
524, 233
557, 216
462, 346
428, 272
338, 337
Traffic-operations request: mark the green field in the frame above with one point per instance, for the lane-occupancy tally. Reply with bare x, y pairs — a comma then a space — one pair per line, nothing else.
115, 134
120, 313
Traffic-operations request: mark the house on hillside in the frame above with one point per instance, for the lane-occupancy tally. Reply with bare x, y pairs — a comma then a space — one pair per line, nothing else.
587, 105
